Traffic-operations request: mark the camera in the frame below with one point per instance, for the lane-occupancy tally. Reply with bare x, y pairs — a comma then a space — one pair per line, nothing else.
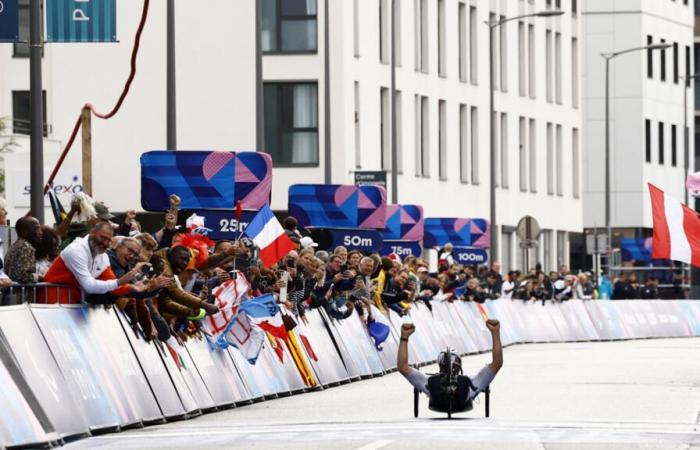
344, 267
290, 263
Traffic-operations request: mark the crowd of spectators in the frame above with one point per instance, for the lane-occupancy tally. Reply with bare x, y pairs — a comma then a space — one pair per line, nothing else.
163, 279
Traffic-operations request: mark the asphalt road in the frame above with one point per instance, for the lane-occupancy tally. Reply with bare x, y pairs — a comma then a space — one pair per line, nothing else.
598, 395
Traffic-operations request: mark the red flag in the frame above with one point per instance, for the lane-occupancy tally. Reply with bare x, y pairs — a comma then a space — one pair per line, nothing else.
676, 229
239, 210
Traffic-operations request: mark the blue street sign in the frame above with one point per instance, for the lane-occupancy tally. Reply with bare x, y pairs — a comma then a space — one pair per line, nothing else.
81, 21
402, 248
469, 256
223, 223
356, 239
9, 21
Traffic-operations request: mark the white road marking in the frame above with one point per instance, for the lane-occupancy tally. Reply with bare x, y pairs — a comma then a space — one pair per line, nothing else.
376, 445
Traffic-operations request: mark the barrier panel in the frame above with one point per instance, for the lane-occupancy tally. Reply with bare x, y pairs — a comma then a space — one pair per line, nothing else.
473, 323
426, 347
92, 379
41, 372
690, 311
216, 368
606, 320
390, 347
353, 348
354, 331
445, 316
418, 352
502, 311
321, 352
636, 320
673, 323
580, 326
172, 394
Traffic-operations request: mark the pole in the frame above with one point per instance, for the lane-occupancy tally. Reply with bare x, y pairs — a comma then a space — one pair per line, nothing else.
326, 98
394, 149
171, 87
493, 254
86, 127
607, 159
686, 147
36, 155
259, 102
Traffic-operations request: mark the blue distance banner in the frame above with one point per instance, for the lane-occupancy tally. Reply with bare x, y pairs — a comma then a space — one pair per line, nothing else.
363, 240
401, 248
469, 256
338, 206
458, 232
404, 223
81, 21
223, 224
9, 21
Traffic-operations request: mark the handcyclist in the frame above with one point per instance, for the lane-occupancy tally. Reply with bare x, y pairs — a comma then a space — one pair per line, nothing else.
450, 389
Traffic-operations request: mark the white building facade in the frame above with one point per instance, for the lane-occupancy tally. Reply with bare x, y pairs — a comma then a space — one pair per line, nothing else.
646, 108
442, 103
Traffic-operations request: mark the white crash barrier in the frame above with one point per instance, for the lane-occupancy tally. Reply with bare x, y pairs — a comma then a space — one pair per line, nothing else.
66, 371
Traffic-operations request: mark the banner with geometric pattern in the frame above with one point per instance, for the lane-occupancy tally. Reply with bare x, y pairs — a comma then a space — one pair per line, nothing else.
404, 223
459, 232
205, 179
338, 206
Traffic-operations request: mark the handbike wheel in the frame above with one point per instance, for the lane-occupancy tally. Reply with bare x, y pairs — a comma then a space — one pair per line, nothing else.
415, 402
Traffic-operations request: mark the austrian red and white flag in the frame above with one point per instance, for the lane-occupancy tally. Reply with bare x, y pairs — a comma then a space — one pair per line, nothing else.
676, 229
267, 233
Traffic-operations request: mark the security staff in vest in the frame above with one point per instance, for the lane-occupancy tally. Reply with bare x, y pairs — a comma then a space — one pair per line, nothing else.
450, 391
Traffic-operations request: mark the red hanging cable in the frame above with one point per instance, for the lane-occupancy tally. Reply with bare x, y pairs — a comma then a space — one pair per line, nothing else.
125, 91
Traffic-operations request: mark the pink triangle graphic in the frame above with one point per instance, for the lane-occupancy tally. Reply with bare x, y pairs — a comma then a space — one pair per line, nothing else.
474, 228
214, 162
406, 217
243, 173
364, 203
460, 224
343, 193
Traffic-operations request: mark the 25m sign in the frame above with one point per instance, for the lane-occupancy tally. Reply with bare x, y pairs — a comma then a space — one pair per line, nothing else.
81, 20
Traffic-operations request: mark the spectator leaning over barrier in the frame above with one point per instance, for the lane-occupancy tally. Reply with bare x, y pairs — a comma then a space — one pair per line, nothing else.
174, 301
467, 387
20, 261
84, 267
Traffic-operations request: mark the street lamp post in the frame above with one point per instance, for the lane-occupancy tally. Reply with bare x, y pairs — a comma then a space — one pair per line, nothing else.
493, 245
608, 57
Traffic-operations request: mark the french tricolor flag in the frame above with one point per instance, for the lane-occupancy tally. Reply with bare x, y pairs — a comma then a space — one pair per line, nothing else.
267, 233
676, 229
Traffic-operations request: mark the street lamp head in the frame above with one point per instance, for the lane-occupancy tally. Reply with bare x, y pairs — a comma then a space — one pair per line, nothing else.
549, 13
658, 46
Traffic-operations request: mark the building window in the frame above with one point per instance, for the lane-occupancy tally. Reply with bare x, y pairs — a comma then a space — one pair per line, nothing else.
384, 40
417, 134
550, 159
442, 140
687, 62
562, 253
504, 151
291, 123
661, 143
560, 160
356, 28
574, 73
385, 128
503, 55
675, 62
575, 164
473, 49
463, 144
650, 58
356, 120
425, 137
522, 153
533, 155
674, 155
497, 154
574, 8
462, 43
21, 113
557, 68
441, 38
647, 140
399, 130
548, 66
421, 35
474, 144
21, 49
522, 81
662, 54
396, 32
546, 237
531, 69
494, 42
289, 26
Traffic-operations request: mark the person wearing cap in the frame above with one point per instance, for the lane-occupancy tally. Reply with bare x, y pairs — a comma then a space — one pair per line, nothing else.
307, 242
467, 387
